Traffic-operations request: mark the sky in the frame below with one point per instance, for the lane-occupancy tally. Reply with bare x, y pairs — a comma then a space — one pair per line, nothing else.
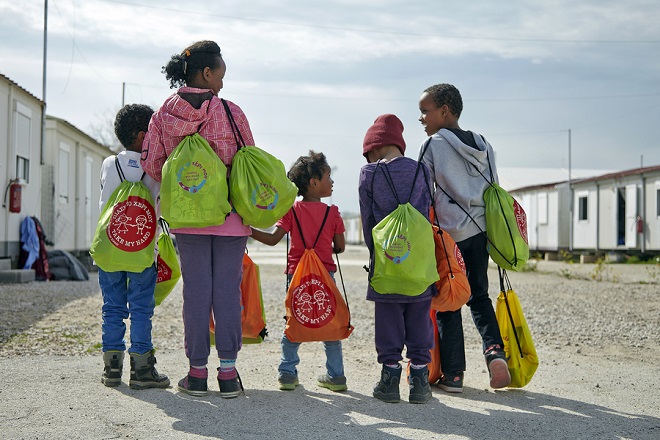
538, 79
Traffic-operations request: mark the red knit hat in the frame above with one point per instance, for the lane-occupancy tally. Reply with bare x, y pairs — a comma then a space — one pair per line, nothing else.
387, 130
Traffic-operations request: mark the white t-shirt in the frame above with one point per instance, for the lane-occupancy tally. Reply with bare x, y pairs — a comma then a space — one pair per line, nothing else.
129, 161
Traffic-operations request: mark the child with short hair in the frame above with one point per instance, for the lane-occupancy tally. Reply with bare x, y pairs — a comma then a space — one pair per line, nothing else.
212, 256
311, 174
399, 319
457, 157
128, 294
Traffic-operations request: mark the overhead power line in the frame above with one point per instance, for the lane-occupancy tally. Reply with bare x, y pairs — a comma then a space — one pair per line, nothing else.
386, 32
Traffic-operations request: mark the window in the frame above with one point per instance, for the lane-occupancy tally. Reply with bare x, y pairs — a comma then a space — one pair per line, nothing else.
582, 208
543, 208
23, 140
63, 173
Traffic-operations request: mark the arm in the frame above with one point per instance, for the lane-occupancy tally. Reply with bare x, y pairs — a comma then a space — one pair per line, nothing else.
339, 243
365, 208
153, 151
268, 238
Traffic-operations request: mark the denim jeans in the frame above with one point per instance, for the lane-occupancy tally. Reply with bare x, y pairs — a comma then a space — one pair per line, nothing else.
333, 353
127, 294
450, 324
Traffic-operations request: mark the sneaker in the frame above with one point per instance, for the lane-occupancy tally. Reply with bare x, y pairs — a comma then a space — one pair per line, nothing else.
451, 382
332, 383
387, 389
288, 382
497, 367
193, 385
420, 389
230, 388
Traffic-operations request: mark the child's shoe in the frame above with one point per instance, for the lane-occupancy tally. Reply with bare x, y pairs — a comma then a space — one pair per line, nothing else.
497, 367
387, 389
420, 389
113, 361
195, 386
332, 383
288, 382
451, 382
230, 388
144, 373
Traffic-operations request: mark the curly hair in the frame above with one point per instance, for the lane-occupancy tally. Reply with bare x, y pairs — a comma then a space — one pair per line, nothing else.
306, 168
183, 67
131, 120
447, 94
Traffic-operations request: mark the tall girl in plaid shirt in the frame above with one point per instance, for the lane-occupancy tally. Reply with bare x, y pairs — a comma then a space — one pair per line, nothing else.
211, 257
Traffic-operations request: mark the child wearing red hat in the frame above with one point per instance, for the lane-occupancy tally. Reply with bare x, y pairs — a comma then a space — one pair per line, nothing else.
399, 319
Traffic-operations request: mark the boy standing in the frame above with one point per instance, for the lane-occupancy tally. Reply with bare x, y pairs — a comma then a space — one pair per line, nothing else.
456, 157
399, 319
127, 293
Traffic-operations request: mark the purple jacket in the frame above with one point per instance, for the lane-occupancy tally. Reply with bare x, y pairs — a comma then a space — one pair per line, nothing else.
377, 201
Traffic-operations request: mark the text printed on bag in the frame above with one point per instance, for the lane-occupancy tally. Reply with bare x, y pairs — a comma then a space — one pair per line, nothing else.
164, 271
314, 305
132, 226
265, 196
397, 249
521, 219
190, 181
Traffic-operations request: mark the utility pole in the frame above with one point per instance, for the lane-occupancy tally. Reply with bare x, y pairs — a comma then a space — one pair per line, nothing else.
570, 197
123, 93
43, 84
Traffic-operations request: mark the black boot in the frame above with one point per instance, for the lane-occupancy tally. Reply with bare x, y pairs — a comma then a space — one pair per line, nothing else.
144, 373
387, 389
113, 362
420, 389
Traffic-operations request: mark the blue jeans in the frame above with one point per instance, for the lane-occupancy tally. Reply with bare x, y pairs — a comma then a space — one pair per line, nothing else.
127, 294
450, 324
333, 353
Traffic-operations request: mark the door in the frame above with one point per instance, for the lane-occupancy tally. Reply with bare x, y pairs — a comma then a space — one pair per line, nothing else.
631, 216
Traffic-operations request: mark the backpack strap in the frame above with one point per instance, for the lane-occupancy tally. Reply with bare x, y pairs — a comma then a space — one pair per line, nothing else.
325, 217
234, 127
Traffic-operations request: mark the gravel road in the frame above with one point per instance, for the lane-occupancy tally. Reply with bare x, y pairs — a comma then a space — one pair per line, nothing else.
596, 328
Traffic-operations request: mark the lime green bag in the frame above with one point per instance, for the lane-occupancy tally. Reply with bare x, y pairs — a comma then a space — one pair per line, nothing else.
404, 249
260, 191
167, 264
124, 236
506, 228
194, 192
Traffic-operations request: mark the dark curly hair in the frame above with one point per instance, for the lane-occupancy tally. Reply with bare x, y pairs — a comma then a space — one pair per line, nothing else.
447, 94
131, 120
182, 68
305, 168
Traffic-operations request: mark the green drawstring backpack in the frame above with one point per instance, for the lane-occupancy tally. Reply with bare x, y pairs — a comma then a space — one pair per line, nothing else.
260, 191
194, 192
404, 249
124, 236
167, 265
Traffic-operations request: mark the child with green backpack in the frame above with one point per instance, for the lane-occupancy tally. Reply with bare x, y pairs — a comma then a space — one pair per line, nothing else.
401, 309
123, 250
458, 158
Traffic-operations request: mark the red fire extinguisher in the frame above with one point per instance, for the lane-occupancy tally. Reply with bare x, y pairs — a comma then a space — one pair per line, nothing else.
14, 190
639, 225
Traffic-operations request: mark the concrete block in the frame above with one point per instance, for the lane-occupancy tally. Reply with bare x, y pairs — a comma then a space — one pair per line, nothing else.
586, 258
16, 276
551, 256
5, 263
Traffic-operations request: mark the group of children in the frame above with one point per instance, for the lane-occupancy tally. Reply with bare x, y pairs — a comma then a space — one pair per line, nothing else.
211, 257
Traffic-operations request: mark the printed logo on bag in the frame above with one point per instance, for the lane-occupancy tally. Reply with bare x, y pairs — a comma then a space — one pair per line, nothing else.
521, 220
265, 196
132, 225
192, 176
313, 304
459, 258
164, 271
397, 249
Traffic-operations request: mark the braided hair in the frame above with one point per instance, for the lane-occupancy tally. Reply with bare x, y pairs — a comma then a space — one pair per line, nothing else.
183, 67
447, 94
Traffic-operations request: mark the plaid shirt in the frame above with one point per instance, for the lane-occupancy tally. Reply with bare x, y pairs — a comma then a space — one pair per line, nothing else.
177, 119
